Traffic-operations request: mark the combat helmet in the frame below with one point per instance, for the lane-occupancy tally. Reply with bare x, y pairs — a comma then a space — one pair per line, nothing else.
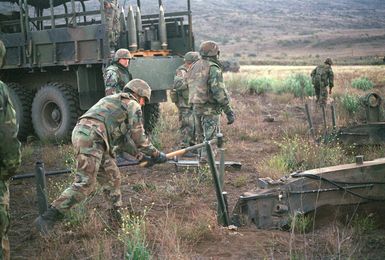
122, 54
191, 56
328, 61
2, 54
209, 49
139, 87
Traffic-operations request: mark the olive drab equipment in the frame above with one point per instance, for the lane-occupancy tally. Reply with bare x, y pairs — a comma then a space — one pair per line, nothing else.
139, 87
57, 51
209, 49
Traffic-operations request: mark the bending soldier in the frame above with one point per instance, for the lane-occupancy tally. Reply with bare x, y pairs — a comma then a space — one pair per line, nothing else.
322, 77
180, 96
117, 75
115, 120
9, 158
207, 93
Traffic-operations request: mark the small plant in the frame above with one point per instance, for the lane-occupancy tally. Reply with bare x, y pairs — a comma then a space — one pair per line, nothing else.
363, 224
299, 84
133, 235
350, 103
362, 83
240, 181
260, 85
300, 223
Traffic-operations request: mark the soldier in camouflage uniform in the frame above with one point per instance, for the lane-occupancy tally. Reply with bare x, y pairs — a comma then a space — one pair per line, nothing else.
115, 120
112, 13
322, 77
207, 93
179, 95
117, 75
9, 158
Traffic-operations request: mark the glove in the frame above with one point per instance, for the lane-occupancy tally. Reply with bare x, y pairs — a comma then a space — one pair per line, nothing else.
162, 158
230, 117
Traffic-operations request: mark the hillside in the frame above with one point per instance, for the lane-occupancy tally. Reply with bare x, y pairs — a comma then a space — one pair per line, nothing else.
293, 30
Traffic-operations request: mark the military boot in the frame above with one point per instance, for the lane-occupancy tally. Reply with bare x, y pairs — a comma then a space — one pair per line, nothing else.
45, 222
115, 217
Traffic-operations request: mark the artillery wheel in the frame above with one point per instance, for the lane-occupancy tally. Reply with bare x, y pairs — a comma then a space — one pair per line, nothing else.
55, 110
22, 100
151, 114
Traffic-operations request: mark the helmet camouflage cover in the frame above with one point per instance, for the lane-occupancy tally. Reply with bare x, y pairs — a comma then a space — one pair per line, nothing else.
191, 56
122, 54
139, 87
2, 53
329, 61
209, 49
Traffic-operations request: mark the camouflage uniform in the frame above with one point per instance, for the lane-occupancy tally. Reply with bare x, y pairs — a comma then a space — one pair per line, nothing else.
322, 77
115, 120
186, 118
208, 96
115, 78
112, 13
9, 161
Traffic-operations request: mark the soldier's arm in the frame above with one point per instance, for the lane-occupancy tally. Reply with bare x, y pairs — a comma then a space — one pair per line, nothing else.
111, 82
10, 146
331, 78
137, 134
218, 90
179, 80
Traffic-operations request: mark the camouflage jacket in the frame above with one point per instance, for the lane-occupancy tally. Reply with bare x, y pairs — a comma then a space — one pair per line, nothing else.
322, 76
206, 87
115, 78
9, 145
181, 87
123, 129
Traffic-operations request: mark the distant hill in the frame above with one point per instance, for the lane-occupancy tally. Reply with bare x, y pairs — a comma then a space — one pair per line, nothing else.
274, 31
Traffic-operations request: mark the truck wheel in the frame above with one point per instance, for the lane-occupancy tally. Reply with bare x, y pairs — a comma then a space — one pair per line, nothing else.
22, 100
151, 117
55, 110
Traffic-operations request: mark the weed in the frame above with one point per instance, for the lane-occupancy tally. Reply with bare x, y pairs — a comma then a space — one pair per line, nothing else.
240, 181
142, 186
299, 84
260, 85
363, 224
133, 235
362, 83
350, 103
300, 223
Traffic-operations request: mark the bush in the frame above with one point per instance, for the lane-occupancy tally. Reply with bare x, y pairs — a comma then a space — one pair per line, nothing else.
260, 85
299, 84
350, 103
362, 83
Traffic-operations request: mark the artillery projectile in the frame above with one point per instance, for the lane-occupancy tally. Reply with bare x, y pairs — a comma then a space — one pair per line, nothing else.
139, 27
162, 29
132, 40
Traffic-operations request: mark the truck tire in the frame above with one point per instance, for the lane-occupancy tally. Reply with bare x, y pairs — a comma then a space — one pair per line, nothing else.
22, 100
55, 110
151, 117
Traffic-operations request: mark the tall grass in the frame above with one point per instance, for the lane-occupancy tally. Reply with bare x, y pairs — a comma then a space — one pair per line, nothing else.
362, 83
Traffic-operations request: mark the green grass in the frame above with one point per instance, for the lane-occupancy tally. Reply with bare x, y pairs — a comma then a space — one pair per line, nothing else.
299, 84
350, 103
362, 83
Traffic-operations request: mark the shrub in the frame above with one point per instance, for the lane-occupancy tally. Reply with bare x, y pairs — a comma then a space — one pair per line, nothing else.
260, 85
362, 83
350, 103
299, 84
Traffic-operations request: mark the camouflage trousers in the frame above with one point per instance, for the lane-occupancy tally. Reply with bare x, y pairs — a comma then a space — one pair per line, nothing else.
94, 163
4, 219
207, 126
321, 95
187, 128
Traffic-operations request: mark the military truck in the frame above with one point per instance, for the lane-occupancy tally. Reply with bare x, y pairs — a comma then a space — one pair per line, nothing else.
57, 50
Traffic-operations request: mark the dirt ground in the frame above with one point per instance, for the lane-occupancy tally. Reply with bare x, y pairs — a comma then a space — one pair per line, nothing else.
187, 197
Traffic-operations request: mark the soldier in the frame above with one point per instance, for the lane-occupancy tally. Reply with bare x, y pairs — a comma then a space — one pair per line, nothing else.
208, 94
179, 95
322, 77
9, 158
115, 120
117, 75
